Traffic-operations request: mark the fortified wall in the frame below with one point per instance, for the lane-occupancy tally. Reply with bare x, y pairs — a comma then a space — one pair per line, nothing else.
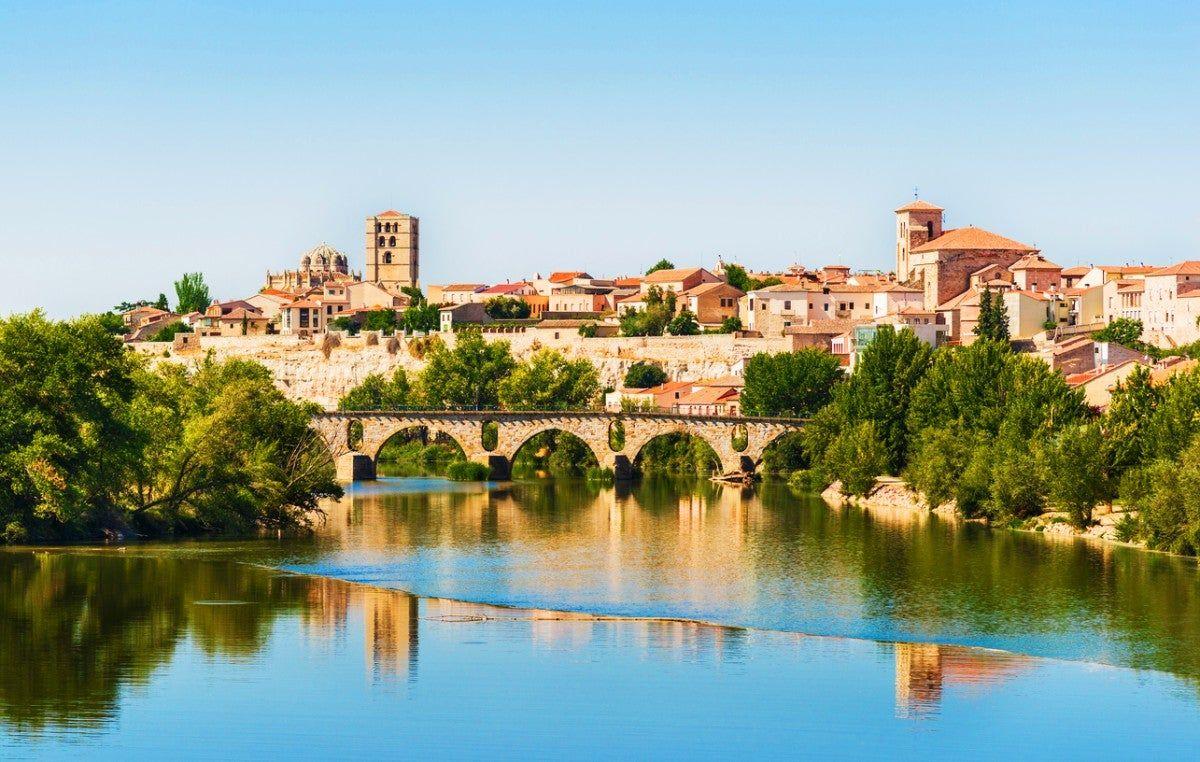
303, 372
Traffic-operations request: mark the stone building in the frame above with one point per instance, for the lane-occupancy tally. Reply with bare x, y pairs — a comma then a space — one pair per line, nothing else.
393, 250
318, 266
940, 262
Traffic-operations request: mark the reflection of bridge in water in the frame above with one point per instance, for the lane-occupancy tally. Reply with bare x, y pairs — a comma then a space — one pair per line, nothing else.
739, 442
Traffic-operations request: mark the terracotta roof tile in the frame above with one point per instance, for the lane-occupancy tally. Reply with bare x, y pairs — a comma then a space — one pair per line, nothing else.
1190, 267
972, 238
919, 206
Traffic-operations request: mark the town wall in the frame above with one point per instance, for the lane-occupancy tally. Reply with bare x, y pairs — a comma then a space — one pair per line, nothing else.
302, 371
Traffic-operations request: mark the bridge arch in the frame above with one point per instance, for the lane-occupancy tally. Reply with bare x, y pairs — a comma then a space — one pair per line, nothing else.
562, 444
424, 460
637, 450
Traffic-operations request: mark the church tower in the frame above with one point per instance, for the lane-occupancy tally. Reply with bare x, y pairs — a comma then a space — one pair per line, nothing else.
917, 222
393, 250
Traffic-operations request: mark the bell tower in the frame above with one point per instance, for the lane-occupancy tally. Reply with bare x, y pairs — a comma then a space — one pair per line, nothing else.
917, 222
393, 250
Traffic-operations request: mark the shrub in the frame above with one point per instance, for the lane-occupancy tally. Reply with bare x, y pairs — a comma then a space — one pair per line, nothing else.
371, 338
807, 480
167, 332
393, 345
856, 457
467, 471
600, 475
643, 375
329, 343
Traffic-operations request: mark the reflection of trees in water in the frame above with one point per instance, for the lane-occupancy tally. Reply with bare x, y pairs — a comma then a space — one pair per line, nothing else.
75, 627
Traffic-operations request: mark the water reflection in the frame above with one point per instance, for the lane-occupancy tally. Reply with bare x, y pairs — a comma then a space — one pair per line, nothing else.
924, 669
765, 558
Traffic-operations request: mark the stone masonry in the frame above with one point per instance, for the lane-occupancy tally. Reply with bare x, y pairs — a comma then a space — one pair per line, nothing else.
514, 429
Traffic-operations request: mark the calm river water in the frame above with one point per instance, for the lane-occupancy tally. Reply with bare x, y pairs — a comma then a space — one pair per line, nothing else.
699, 629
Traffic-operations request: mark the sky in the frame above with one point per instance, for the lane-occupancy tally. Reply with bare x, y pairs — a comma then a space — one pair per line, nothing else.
142, 140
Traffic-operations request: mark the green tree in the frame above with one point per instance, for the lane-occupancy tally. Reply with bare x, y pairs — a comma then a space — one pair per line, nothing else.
662, 264
588, 330
422, 317
1167, 498
856, 457
549, 381
683, 324
65, 446
161, 303
191, 294
1077, 472
167, 332
469, 374
380, 320
731, 324
1126, 331
643, 375
794, 384
113, 323
378, 393
1127, 421
735, 275
507, 308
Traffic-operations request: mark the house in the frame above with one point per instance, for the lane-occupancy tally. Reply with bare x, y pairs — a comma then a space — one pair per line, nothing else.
575, 300
678, 280
143, 315
711, 303
1122, 299
1169, 310
364, 295
270, 302
710, 400
772, 310
1033, 272
1098, 276
512, 290
661, 397
1098, 384
1028, 311
302, 317
567, 330
468, 313
1081, 354
243, 322
1087, 305
1070, 277
461, 293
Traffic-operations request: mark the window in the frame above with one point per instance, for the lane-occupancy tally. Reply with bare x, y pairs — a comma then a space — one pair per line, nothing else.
391, 240
827, 306
387, 257
378, 226
787, 304
929, 230
381, 239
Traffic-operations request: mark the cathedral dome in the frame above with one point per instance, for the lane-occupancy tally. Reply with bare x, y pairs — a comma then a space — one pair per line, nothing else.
321, 256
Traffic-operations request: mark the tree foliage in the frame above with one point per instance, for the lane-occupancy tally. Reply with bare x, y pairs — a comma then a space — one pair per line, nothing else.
683, 324
191, 294
643, 375
507, 308
378, 393
1125, 331
469, 374
662, 264
549, 381
794, 384
993, 317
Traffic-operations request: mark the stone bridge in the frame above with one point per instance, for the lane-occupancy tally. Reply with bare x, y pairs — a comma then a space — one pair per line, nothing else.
739, 442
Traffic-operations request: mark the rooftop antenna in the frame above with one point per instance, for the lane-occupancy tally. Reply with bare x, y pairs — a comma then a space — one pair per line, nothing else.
915, 194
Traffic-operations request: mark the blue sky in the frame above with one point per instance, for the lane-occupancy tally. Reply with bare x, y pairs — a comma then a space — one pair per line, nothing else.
140, 140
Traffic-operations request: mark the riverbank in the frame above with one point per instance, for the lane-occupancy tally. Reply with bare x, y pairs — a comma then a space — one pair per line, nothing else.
892, 494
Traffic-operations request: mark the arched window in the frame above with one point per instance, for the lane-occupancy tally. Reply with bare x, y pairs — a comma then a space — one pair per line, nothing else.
381, 240
929, 230
391, 240
378, 226
387, 257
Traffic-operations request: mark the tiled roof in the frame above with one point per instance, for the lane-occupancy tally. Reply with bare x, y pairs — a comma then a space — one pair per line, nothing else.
707, 395
1077, 270
471, 287
1128, 269
1136, 287
668, 276
955, 302
391, 213
505, 288
561, 277
627, 282
1033, 262
919, 206
1162, 374
972, 238
240, 314
705, 288
1079, 379
1190, 267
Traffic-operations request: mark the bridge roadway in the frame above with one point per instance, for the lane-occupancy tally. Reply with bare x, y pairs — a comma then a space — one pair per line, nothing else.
356, 460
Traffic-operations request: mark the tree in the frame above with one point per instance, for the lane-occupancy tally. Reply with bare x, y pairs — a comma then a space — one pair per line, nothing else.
191, 294
643, 375
735, 275
731, 324
985, 327
344, 323
469, 374
1127, 421
422, 317
683, 324
1077, 472
1125, 331
65, 446
880, 389
662, 264
161, 303
549, 381
167, 332
856, 457
377, 393
507, 308
381, 319
588, 330
113, 323
416, 297
794, 384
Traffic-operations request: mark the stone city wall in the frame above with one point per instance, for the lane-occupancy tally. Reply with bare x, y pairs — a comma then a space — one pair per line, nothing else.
302, 371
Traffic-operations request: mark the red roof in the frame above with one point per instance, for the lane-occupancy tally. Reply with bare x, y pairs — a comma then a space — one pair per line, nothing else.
670, 276
391, 213
505, 288
1190, 267
919, 206
972, 238
562, 277
1033, 262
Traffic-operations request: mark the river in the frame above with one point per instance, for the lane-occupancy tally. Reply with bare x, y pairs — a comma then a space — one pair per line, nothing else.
558, 619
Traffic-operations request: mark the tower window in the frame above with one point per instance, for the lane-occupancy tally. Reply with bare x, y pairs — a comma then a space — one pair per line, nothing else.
391, 240
378, 226
380, 240
929, 230
387, 257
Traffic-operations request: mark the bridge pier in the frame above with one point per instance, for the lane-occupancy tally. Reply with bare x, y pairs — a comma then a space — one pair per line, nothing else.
622, 468
499, 468
355, 467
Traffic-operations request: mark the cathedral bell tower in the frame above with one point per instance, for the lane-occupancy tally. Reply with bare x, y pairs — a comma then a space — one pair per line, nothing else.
393, 250
917, 222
